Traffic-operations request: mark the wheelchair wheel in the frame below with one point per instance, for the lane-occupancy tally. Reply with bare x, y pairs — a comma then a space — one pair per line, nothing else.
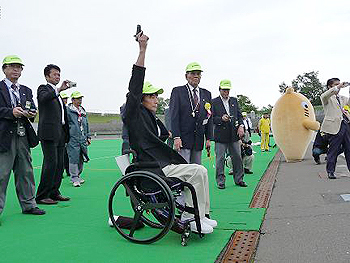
152, 203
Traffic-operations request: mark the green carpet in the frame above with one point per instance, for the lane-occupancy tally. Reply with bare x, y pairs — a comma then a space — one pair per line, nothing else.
77, 231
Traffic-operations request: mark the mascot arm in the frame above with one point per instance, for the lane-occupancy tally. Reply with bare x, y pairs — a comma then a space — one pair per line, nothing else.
311, 125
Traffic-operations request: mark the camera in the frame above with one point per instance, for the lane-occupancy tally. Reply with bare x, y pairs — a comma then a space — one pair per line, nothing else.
72, 84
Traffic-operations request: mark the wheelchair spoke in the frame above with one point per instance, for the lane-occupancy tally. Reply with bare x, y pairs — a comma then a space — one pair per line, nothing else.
155, 205
136, 220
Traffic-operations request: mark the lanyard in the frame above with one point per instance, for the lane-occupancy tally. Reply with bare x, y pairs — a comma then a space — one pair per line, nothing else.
193, 108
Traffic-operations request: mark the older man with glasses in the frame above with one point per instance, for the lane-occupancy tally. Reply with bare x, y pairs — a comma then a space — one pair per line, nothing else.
16, 109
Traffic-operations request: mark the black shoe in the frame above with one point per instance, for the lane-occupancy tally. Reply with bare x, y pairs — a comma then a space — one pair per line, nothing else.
61, 198
221, 186
317, 159
247, 171
242, 184
331, 176
35, 211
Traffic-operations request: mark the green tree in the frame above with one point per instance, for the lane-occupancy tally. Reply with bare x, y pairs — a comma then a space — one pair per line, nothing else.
162, 103
264, 109
245, 104
309, 85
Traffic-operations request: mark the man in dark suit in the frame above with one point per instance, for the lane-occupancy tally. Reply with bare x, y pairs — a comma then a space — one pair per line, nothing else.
190, 120
228, 130
53, 133
149, 144
16, 107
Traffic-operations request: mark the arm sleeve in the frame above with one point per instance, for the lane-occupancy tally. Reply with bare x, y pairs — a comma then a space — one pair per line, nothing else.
45, 94
175, 113
135, 93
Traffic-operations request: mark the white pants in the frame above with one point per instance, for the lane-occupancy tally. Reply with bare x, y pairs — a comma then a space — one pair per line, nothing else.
196, 175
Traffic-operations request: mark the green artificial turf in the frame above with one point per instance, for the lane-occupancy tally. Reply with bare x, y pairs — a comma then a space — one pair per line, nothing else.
77, 231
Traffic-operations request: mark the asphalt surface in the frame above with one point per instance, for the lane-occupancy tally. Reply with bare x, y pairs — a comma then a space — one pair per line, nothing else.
307, 220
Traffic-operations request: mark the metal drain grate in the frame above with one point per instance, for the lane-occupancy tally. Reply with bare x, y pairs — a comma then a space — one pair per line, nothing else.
241, 247
264, 190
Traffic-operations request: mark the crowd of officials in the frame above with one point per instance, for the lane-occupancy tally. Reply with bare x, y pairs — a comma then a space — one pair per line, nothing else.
62, 130
193, 120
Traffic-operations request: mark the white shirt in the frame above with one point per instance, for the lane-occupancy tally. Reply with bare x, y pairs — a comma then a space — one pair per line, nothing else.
16, 91
60, 100
226, 105
196, 90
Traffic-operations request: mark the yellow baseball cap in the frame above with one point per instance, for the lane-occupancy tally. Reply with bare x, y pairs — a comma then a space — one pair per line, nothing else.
12, 59
148, 88
244, 113
76, 95
64, 95
225, 84
194, 66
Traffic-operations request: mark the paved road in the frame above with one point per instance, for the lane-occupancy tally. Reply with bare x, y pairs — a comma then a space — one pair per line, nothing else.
307, 219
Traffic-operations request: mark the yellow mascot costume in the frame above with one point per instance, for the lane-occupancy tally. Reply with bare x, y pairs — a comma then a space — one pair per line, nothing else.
292, 122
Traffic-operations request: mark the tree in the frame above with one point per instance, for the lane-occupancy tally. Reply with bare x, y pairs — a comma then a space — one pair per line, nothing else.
267, 109
162, 104
245, 104
309, 85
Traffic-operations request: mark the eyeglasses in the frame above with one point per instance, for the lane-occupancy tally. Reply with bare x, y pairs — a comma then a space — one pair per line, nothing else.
198, 73
15, 66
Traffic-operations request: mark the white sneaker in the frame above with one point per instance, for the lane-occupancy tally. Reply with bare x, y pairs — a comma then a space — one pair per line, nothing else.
209, 222
206, 229
76, 184
110, 221
81, 181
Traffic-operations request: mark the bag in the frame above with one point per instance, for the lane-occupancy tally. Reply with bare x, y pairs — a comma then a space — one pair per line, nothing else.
33, 139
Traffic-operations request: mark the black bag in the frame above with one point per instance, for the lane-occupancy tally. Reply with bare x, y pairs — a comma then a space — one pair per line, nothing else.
33, 139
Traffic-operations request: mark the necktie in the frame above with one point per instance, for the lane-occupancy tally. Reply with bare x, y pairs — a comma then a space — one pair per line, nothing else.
16, 99
342, 110
195, 99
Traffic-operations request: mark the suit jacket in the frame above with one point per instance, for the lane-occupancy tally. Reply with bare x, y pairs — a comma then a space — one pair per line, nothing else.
226, 132
143, 129
190, 129
8, 122
50, 115
332, 110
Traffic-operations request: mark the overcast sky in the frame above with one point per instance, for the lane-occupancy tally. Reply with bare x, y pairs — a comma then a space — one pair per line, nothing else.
256, 44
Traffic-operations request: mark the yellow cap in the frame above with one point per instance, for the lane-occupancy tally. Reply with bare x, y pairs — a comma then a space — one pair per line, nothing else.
76, 95
64, 95
244, 113
225, 84
194, 66
12, 59
148, 88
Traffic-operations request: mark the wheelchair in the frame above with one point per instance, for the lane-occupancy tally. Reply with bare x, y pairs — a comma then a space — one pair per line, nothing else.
153, 200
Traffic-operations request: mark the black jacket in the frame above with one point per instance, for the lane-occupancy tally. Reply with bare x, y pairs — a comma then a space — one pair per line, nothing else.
226, 132
143, 130
50, 115
190, 129
8, 122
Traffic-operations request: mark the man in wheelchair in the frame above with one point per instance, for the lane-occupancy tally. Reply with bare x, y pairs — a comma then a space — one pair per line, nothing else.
147, 136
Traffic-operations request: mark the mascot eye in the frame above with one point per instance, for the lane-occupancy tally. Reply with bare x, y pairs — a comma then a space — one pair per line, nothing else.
304, 105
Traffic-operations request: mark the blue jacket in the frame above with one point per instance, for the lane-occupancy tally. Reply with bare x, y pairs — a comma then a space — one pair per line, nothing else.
79, 133
190, 129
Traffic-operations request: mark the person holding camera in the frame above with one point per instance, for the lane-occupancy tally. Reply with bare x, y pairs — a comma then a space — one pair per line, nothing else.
53, 132
228, 129
335, 124
14, 143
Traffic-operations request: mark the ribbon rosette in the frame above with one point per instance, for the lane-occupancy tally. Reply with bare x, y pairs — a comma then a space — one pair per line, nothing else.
207, 107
